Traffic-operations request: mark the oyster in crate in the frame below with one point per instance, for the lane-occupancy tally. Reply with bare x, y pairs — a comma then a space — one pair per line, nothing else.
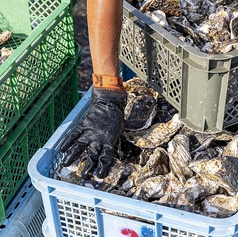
141, 104
201, 187
156, 135
231, 149
183, 200
5, 53
179, 157
221, 170
219, 206
157, 187
157, 164
5, 36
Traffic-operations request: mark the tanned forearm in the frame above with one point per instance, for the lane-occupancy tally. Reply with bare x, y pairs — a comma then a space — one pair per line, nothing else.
104, 27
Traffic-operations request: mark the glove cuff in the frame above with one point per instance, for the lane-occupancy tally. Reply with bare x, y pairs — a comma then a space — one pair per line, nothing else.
107, 82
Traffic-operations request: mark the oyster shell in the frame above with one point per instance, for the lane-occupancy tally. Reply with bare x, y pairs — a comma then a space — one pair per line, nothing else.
208, 26
157, 164
67, 174
232, 148
157, 187
179, 157
156, 135
5, 53
141, 104
234, 25
219, 206
221, 170
5, 36
183, 200
201, 187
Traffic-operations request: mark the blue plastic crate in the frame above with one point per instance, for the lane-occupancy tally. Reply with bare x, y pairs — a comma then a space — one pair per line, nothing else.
73, 210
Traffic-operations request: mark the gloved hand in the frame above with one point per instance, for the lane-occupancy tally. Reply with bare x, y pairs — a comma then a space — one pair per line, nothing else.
95, 137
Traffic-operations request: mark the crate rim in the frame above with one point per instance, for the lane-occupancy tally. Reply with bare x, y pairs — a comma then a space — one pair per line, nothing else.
71, 191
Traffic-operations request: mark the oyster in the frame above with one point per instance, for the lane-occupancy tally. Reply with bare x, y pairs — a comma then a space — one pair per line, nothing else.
170, 7
201, 187
156, 135
114, 175
157, 187
179, 157
157, 164
165, 111
219, 206
67, 174
141, 104
183, 200
234, 25
5, 53
221, 170
232, 148
159, 17
208, 154
5, 36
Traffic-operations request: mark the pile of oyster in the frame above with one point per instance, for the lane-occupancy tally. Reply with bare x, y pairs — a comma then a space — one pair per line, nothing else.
162, 161
208, 25
4, 52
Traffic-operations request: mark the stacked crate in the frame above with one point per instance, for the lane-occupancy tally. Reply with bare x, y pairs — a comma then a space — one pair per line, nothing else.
38, 84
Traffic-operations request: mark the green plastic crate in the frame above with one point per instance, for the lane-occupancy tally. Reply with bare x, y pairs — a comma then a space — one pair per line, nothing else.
202, 87
34, 130
42, 40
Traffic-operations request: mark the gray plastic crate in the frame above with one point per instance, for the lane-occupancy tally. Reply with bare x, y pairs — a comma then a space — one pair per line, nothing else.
25, 215
202, 87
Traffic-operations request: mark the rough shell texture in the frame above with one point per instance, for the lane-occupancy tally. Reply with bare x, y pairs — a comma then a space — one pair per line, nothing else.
141, 104
221, 170
179, 157
219, 206
156, 135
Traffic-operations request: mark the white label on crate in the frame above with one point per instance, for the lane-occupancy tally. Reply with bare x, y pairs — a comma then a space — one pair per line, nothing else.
123, 227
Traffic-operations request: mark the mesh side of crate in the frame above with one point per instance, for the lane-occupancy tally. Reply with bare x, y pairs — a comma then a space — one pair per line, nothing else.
79, 219
39, 10
151, 60
34, 131
36, 58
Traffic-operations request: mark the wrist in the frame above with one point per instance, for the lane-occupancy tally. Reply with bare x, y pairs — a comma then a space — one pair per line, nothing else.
107, 82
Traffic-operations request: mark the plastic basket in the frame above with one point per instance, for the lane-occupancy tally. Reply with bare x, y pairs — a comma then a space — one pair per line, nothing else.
25, 215
42, 40
34, 130
202, 87
73, 210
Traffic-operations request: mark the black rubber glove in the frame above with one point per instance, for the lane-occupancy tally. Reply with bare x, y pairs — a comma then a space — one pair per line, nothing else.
95, 137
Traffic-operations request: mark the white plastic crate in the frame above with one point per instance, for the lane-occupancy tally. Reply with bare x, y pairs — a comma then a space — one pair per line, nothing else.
73, 210
25, 214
